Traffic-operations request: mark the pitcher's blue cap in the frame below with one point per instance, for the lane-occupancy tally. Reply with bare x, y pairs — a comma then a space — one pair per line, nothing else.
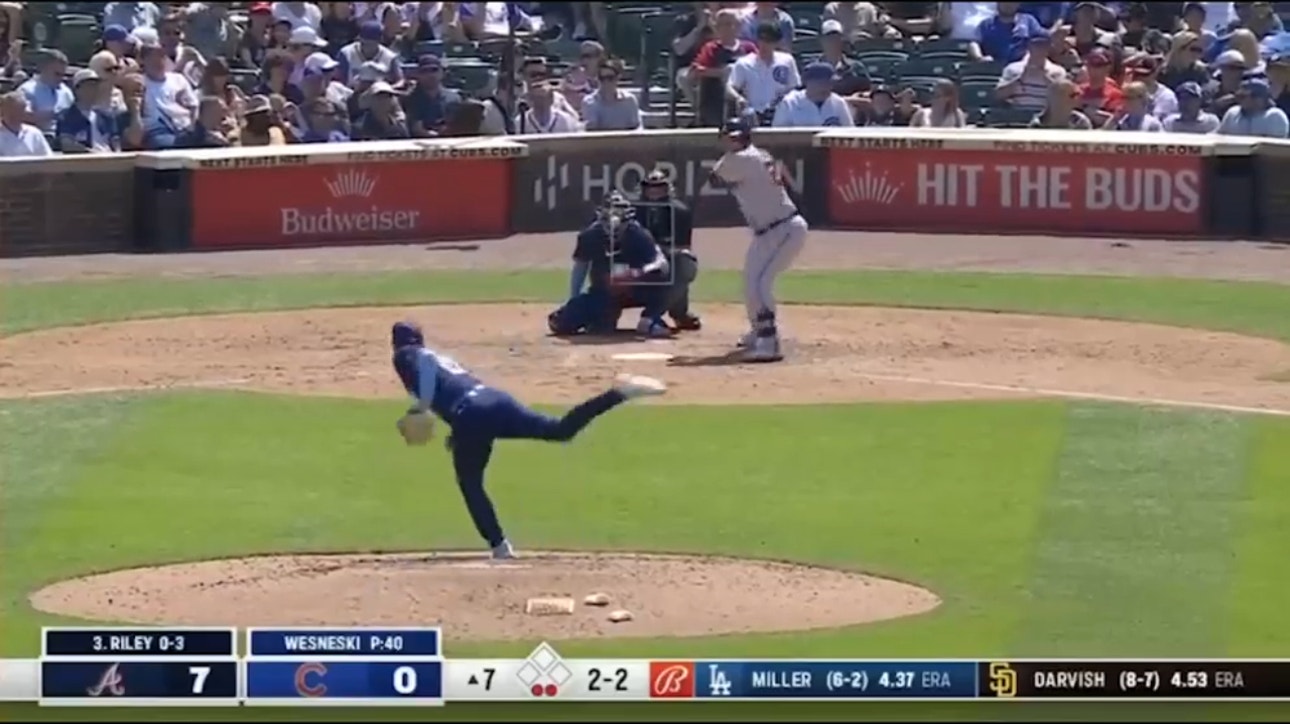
405, 334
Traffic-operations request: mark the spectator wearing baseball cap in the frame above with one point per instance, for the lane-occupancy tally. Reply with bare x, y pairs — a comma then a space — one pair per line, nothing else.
80, 128
429, 103
1145, 69
1025, 83
131, 15
47, 94
111, 70
368, 74
320, 79
879, 108
368, 49
815, 105
1085, 32
384, 118
850, 76
299, 15
1229, 72
1135, 114
260, 125
1004, 36
1099, 95
1191, 116
1254, 114
118, 40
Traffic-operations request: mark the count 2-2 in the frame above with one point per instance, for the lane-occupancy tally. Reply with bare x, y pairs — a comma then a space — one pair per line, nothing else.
385, 643
613, 681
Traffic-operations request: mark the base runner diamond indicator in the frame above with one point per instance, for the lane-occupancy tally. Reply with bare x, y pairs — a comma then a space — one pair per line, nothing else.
544, 672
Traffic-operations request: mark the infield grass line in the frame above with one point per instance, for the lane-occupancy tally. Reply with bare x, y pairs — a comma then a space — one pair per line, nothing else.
1262, 547
1245, 307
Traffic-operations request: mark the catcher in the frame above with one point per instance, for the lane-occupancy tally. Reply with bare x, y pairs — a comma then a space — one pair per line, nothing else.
479, 415
671, 223
627, 269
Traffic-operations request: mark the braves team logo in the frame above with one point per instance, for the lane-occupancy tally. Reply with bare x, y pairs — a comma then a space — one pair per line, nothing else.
111, 683
303, 685
671, 680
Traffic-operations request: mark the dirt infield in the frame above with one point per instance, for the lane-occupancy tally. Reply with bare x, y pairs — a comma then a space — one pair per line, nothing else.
481, 600
836, 354
846, 354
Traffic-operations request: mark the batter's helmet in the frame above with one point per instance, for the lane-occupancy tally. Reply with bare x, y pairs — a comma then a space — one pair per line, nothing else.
738, 128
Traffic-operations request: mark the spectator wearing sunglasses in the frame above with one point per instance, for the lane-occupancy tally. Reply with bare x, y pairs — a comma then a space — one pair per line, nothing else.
110, 98
610, 108
325, 124
1254, 114
1183, 63
535, 71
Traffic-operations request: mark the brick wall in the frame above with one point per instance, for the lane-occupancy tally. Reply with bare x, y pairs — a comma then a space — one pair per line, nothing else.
66, 205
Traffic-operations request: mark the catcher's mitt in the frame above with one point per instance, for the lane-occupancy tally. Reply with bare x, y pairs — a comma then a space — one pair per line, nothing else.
416, 427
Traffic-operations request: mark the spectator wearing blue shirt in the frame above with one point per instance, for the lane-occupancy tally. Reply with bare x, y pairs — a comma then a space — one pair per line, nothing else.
324, 123
131, 15
1254, 114
428, 105
80, 128
769, 12
1004, 36
47, 94
1049, 14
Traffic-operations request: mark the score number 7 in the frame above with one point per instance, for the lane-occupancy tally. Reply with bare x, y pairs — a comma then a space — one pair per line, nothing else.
199, 674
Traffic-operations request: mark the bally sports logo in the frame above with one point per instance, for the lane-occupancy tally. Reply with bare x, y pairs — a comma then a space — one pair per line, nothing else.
351, 215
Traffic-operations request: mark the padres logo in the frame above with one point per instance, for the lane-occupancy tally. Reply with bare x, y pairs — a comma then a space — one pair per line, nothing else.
1003, 680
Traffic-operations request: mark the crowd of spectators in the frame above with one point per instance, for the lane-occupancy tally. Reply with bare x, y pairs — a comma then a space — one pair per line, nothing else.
209, 75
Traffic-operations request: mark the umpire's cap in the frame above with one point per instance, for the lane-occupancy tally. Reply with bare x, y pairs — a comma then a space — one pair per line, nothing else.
737, 128
405, 334
656, 178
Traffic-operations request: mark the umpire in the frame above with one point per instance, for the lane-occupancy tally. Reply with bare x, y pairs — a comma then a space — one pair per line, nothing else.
671, 223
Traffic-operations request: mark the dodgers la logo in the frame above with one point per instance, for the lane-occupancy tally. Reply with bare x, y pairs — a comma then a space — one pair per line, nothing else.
718, 682
779, 74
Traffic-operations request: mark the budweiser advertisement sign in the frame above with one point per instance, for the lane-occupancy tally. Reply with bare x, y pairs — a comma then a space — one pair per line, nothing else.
558, 186
348, 203
984, 191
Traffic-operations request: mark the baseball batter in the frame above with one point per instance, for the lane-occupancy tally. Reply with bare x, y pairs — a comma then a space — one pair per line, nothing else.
479, 415
779, 232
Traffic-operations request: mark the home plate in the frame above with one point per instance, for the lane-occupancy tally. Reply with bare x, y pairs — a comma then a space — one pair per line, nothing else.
644, 356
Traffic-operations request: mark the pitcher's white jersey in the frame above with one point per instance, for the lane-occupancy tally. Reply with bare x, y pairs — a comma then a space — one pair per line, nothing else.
758, 184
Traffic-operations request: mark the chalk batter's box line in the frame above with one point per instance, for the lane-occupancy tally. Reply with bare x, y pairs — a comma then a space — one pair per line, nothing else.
671, 266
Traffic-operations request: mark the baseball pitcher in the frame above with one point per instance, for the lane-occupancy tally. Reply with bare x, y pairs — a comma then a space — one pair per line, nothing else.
479, 415
778, 232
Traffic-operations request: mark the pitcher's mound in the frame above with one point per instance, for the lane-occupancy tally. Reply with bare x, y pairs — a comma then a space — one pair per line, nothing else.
474, 599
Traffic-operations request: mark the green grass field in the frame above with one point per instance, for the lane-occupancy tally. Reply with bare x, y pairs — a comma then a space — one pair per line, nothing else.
1049, 528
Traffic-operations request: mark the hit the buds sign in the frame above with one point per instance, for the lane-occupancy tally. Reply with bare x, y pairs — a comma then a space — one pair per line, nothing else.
984, 191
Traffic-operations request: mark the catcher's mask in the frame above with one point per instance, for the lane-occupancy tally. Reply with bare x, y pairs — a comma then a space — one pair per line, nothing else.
656, 186
615, 213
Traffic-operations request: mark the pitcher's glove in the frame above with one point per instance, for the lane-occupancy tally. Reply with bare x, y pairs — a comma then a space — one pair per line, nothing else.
416, 427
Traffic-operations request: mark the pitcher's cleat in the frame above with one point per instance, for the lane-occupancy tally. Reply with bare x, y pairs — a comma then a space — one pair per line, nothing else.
503, 551
632, 386
763, 349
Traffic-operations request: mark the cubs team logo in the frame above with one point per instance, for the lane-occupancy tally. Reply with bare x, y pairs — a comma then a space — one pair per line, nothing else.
780, 74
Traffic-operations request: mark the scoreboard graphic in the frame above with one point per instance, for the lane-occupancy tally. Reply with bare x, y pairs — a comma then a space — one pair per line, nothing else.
319, 666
